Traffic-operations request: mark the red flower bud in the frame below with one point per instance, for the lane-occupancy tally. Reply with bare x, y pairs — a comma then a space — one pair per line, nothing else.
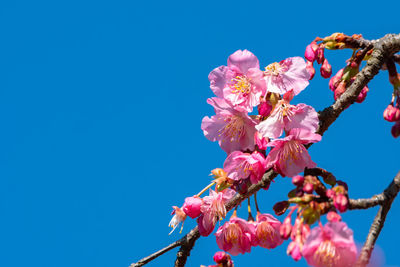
298, 180
341, 203
320, 55
391, 113
310, 69
311, 52
334, 81
264, 108
286, 228
308, 188
363, 94
326, 69
396, 129
340, 90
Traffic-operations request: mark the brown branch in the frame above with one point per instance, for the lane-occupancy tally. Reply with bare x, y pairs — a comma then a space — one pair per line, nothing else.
383, 48
388, 196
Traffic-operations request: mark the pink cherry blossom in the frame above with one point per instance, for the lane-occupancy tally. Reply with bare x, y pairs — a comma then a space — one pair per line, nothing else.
286, 117
241, 165
267, 231
192, 206
240, 82
330, 245
179, 217
212, 209
235, 236
289, 156
286, 75
232, 128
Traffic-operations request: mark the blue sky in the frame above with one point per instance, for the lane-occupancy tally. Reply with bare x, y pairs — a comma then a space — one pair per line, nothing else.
101, 104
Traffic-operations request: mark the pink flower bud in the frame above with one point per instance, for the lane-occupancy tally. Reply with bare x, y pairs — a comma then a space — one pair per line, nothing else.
220, 257
363, 94
334, 81
311, 52
310, 69
261, 141
298, 180
320, 55
286, 228
192, 206
308, 188
340, 90
391, 113
294, 250
396, 129
330, 193
341, 203
333, 217
264, 108
288, 96
326, 69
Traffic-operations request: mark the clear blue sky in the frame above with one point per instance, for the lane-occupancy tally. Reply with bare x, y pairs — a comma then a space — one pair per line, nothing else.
100, 111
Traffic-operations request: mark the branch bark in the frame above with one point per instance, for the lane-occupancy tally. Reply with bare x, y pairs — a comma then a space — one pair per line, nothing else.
383, 48
387, 196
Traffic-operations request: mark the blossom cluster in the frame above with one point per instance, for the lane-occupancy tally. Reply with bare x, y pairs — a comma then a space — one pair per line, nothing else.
259, 128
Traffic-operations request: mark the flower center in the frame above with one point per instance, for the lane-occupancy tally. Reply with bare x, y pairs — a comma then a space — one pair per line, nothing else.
233, 232
326, 254
292, 149
274, 69
218, 207
265, 232
233, 129
241, 85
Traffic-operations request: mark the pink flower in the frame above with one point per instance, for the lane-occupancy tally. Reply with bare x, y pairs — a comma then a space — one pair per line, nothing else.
235, 236
233, 129
288, 74
330, 245
212, 209
289, 156
241, 165
179, 217
192, 206
311, 51
240, 82
286, 116
267, 231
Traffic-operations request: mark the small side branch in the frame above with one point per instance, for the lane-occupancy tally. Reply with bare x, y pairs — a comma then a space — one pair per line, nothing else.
388, 196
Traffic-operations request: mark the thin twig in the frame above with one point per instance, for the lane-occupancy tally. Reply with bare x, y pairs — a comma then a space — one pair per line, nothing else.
389, 195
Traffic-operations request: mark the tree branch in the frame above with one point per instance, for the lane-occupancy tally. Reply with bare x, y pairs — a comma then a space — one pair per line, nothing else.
388, 196
383, 48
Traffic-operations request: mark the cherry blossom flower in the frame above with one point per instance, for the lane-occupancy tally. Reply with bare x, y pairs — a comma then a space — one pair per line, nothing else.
267, 231
330, 245
241, 165
179, 217
289, 156
232, 128
286, 117
235, 236
212, 209
240, 82
289, 74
